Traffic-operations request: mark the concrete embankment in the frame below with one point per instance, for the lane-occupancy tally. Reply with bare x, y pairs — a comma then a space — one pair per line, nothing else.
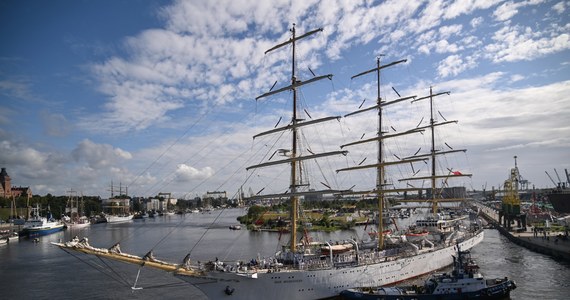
541, 242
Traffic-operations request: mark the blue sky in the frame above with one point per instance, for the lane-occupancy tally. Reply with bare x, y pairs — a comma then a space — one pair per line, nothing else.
160, 95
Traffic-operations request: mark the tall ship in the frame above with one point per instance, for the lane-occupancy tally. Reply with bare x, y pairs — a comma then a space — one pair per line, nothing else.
117, 209
314, 270
74, 212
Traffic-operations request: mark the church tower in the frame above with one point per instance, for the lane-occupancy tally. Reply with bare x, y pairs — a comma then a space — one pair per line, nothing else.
5, 184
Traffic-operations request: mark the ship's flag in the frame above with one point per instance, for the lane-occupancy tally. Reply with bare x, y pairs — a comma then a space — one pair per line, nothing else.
457, 173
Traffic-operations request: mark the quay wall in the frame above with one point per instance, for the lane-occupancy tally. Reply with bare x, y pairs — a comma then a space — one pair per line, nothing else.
558, 249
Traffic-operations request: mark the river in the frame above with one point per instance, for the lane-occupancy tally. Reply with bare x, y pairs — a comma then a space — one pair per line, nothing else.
30, 270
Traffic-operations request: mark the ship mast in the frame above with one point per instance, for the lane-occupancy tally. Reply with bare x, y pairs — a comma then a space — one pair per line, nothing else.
295, 159
435, 193
380, 189
293, 186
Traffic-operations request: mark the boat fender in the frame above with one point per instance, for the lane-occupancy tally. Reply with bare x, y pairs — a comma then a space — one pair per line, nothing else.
229, 290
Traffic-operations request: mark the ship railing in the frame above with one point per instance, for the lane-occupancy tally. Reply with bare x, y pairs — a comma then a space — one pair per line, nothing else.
313, 264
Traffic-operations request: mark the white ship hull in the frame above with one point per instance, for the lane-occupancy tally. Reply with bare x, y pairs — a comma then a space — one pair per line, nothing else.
317, 284
77, 225
118, 219
82, 222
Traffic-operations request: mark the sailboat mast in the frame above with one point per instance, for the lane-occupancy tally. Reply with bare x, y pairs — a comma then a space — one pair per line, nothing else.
380, 168
293, 187
432, 122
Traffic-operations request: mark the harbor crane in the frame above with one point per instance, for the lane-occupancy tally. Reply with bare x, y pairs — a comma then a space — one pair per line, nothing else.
511, 205
552, 180
557, 176
560, 184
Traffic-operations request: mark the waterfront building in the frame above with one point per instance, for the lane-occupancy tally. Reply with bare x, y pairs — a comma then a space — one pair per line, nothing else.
8, 191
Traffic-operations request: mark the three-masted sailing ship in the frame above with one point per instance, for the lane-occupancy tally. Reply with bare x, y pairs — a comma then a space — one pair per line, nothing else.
74, 217
302, 271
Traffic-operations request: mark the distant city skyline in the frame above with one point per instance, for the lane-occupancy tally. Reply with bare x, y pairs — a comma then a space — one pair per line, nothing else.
161, 96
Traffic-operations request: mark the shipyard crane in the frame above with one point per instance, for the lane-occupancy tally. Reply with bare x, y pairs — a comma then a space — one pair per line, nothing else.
557, 176
567, 176
550, 178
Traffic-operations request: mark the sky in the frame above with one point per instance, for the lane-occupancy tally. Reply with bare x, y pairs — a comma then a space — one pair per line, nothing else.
160, 96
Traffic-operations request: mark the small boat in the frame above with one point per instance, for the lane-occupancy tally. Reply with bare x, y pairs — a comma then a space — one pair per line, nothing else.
98, 219
119, 218
235, 227
140, 215
14, 237
37, 225
336, 249
374, 234
465, 282
416, 235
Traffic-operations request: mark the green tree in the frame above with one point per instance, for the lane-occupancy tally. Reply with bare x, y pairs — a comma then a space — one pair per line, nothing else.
254, 213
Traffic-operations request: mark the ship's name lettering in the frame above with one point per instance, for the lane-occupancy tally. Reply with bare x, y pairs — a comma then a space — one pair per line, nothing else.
288, 281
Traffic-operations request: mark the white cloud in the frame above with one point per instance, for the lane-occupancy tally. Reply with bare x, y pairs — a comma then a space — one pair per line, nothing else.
563, 142
506, 10
55, 124
428, 18
186, 173
18, 89
99, 155
513, 115
26, 164
457, 8
447, 31
513, 43
453, 65
559, 7
517, 77
475, 22
424, 49
18, 154
509, 9
443, 46
474, 84
206, 45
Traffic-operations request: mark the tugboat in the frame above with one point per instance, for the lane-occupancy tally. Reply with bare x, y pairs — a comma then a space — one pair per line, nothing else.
465, 282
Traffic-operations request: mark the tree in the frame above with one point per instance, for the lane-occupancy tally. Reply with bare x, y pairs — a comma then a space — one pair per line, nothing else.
254, 214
